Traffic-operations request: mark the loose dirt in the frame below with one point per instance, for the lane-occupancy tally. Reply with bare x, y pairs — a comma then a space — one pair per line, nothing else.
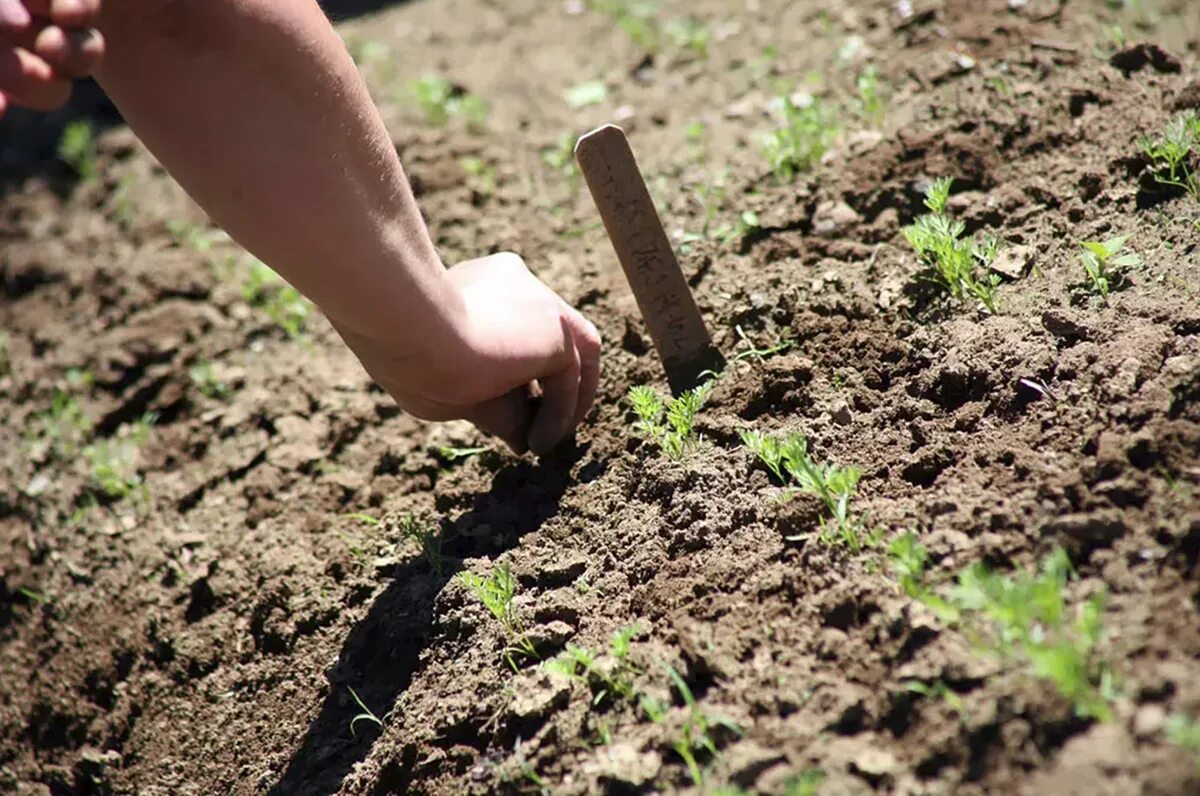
202, 635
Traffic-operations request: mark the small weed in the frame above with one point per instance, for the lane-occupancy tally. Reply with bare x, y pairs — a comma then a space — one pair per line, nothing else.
424, 534
366, 715
1024, 617
592, 92
697, 730
77, 148
481, 174
872, 100
608, 679
452, 455
1184, 732
759, 354
58, 432
669, 423
1170, 153
113, 461
205, 379
441, 100
807, 130
806, 783
690, 35
496, 592
1099, 258
953, 262
789, 461
279, 301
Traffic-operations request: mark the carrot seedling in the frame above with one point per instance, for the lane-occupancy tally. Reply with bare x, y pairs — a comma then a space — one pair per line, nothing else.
1100, 259
953, 262
441, 100
671, 423
807, 130
205, 379
697, 730
496, 592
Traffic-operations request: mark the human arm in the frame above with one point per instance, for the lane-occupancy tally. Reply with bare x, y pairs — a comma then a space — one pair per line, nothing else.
255, 107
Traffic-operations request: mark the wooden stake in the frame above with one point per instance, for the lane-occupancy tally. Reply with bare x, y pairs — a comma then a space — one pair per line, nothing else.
646, 256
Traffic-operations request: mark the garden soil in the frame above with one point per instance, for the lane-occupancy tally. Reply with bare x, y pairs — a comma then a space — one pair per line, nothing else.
213, 631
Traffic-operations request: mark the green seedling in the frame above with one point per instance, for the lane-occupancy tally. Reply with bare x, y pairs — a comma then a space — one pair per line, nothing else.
806, 783
1170, 153
451, 455
807, 130
424, 534
637, 18
1100, 258
35, 596
690, 35
561, 157
592, 92
5, 359
441, 100
481, 175
671, 423
697, 730
938, 690
872, 102
60, 431
789, 461
757, 353
77, 148
205, 379
365, 52
113, 461
1024, 617
954, 262
366, 519
496, 592
608, 679
366, 715
279, 301
1184, 732
187, 234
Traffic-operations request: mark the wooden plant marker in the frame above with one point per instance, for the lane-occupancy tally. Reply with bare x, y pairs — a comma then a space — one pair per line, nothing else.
679, 334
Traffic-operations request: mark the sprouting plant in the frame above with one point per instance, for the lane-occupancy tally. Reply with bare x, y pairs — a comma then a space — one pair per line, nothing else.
938, 242
789, 461
909, 558
1170, 153
669, 423
872, 101
113, 461
482, 176
77, 148
441, 100
59, 431
190, 235
450, 454
1024, 617
5, 361
806, 131
1099, 258
637, 18
590, 92
691, 35
496, 592
806, 783
608, 678
696, 735
365, 52
278, 300
561, 157
424, 534
937, 690
366, 715
759, 353
711, 197
1184, 732
204, 378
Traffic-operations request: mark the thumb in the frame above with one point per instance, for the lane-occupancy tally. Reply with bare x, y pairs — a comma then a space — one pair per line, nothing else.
507, 417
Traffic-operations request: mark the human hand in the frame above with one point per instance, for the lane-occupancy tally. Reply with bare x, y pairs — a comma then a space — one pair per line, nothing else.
44, 45
513, 331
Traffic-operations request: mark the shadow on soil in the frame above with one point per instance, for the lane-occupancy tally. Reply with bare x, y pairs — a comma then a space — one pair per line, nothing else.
382, 652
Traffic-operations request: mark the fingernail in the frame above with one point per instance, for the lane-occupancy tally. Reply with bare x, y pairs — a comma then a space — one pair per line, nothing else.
13, 14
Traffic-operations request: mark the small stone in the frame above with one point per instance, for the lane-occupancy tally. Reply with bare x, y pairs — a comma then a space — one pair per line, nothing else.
551, 635
1148, 721
1013, 261
623, 764
841, 413
535, 699
1065, 326
875, 765
832, 218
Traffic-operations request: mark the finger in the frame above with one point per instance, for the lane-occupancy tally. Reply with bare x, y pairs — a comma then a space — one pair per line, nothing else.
3, 105
560, 394
29, 81
14, 15
67, 13
507, 417
72, 53
587, 343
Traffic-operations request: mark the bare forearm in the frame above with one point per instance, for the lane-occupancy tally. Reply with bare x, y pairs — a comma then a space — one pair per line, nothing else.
257, 110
